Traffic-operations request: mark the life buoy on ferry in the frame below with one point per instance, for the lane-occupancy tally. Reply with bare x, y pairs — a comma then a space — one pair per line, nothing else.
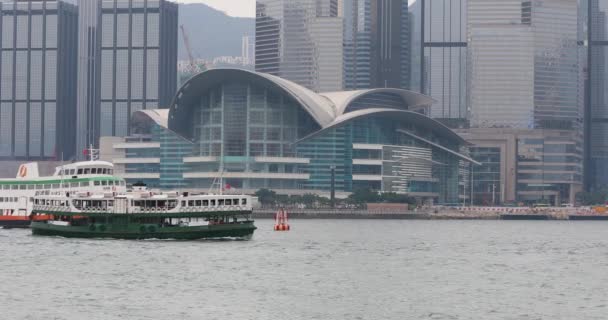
22, 170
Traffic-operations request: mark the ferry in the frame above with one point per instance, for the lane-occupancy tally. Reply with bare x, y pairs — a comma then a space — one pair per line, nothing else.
144, 215
16, 195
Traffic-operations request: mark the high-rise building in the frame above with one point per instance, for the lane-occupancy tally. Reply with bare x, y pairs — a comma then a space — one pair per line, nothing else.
597, 99
376, 44
37, 79
127, 62
525, 76
300, 41
443, 57
247, 51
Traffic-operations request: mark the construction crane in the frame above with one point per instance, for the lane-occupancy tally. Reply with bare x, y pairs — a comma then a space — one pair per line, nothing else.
192, 67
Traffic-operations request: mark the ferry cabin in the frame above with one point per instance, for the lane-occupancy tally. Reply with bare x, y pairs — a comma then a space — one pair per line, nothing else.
16, 194
153, 210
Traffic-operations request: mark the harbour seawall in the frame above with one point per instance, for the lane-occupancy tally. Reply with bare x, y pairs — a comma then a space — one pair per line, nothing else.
470, 213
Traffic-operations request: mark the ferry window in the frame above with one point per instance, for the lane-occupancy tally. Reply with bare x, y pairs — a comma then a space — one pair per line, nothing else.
1, 199
198, 203
66, 184
94, 170
31, 186
73, 184
228, 202
55, 185
72, 172
220, 202
110, 171
123, 183
83, 184
104, 183
183, 203
96, 183
212, 203
22, 187
110, 183
190, 203
87, 170
47, 186
5, 187
243, 201
205, 203
172, 204
79, 171
14, 187
102, 170
235, 202
111, 203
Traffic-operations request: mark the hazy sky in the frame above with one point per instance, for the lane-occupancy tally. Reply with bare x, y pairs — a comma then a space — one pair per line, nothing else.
235, 8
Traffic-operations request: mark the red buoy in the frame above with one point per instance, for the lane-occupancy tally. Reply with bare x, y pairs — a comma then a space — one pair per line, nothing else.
280, 221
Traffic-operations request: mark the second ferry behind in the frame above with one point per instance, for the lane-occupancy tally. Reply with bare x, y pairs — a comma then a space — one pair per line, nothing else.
17, 194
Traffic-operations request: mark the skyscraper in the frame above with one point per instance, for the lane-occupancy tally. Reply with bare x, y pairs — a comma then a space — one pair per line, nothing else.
597, 131
525, 83
127, 62
376, 44
300, 41
37, 79
443, 67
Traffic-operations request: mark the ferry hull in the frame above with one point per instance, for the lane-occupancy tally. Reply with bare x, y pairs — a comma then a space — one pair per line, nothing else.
137, 231
19, 221
9, 222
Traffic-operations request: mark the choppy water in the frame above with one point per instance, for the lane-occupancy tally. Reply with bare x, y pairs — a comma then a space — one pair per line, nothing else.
323, 269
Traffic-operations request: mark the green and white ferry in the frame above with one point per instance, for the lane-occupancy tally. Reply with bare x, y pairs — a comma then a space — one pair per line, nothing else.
144, 215
17, 194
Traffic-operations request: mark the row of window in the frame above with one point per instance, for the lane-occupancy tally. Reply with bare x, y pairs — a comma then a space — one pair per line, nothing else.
8, 199
212, 203
71, 172
65, 185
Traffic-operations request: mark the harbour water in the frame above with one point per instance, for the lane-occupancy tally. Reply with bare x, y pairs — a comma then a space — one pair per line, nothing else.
322, 269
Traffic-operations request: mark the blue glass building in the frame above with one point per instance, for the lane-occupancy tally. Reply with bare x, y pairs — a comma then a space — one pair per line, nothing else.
255, 130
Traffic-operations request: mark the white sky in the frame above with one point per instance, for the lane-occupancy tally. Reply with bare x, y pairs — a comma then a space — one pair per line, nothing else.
235, 8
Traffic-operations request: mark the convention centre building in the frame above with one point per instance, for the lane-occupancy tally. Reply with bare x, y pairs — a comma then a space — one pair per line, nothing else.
252, 130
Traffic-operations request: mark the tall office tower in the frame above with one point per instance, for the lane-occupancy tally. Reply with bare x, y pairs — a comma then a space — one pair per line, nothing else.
524, 65
525, 76
596, 134
443, 56
37, 79
247, 51
127, 62
376, 44
300, 40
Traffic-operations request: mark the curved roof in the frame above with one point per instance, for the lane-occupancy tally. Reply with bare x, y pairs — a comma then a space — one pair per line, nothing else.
411, 99
320, 108
328, 109
158, 116
406, 116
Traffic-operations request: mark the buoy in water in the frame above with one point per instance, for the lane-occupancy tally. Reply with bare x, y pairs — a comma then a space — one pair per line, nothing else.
280, 221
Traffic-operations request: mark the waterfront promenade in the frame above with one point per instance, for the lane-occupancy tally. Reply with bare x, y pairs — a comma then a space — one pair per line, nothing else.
443, 213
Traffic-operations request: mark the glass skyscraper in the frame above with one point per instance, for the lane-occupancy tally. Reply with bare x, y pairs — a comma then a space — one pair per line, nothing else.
443, 65
525, 80
597, 99
376, 44
37, 79
127, 62
300, 41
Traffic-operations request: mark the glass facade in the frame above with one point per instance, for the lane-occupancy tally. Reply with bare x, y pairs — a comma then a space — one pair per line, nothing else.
128, 63
443, 66
524, 67
300, 41
37, 79
376, 44
597, 133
